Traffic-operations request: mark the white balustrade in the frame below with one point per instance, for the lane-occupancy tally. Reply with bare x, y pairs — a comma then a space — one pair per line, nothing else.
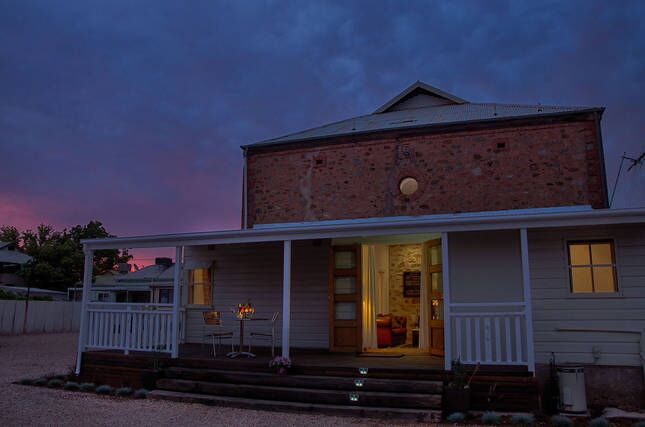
130, 327
489, 333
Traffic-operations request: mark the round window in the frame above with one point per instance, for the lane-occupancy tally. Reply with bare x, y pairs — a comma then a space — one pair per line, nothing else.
408, 186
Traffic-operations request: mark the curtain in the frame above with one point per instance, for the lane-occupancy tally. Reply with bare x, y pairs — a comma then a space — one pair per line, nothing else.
369, 296
424, 309
382, 260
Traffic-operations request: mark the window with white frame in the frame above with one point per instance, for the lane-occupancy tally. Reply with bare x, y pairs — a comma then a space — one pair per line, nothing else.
199, 286
592, 266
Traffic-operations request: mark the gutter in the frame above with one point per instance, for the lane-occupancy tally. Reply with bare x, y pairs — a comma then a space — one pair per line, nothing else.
601, 152
244, 190
448, 223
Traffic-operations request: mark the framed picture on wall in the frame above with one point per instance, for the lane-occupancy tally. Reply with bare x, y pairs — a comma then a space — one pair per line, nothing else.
411, 284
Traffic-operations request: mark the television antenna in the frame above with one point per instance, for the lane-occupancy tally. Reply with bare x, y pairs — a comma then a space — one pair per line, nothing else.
635, 161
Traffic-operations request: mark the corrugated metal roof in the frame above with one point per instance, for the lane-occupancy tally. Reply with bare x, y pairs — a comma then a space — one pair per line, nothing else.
421, 117
14, 257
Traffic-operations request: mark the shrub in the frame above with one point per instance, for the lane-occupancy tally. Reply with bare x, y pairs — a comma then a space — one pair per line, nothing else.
123, 391
104, 389
456, 418
141, 393
88, 387
71, 385
40, 381
55, 383
523, 420
26, 381
599, 422
639, 424
491, 418
561, 421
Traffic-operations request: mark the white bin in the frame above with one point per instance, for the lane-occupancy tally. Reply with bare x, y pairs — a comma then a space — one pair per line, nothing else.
573, 398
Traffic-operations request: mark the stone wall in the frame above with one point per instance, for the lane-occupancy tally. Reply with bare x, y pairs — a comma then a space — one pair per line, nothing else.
404, 258
529, 166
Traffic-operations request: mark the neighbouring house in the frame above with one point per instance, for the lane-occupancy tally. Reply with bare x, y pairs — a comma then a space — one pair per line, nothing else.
11, 261
150, 284
433, 229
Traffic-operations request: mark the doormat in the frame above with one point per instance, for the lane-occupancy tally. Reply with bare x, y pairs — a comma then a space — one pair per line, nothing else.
379, 354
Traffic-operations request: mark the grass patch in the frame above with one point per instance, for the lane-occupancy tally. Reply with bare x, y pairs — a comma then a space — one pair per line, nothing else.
55, 383
456, 418
123, 391
523, 420
40, 381
88, 387
104, 389
491, 418
141, 393
71, 385
561, 421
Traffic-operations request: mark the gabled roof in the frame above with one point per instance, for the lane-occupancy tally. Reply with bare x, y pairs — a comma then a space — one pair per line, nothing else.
433, 108
418, 89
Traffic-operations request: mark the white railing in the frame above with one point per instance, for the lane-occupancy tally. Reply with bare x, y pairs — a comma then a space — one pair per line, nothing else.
490, 333
130, 327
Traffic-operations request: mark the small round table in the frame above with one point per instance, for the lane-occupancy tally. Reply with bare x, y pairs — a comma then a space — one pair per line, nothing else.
239, 353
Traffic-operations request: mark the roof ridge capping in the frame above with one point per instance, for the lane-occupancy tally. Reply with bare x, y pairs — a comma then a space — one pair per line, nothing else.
415, 89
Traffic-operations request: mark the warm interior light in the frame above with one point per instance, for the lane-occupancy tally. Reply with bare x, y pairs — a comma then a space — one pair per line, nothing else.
408, 186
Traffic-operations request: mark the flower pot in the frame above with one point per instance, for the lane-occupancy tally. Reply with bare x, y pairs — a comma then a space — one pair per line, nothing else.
282, 371
456, 400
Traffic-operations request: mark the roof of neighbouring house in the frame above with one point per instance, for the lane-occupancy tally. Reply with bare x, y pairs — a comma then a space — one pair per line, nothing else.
14, 257
422, 105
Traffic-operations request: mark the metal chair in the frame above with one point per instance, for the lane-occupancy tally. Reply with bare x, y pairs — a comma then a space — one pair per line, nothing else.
265, 335
213, 319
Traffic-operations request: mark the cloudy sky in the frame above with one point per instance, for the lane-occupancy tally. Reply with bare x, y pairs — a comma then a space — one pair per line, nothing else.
132, 112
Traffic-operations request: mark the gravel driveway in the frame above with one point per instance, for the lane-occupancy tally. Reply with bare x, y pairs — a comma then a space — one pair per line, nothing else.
36, 355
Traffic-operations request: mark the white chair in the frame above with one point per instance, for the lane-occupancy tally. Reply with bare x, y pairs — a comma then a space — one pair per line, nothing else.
213, 321
262, 335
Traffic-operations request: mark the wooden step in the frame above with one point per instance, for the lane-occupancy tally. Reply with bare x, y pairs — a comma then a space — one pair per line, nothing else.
304, 395
419, 415
356, 383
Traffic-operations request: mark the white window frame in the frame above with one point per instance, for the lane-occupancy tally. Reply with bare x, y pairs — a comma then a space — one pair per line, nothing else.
567, 267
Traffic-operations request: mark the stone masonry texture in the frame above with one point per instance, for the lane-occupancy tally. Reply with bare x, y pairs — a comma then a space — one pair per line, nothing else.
512, 167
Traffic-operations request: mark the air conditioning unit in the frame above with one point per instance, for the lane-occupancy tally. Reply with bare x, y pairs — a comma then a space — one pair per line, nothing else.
573, 398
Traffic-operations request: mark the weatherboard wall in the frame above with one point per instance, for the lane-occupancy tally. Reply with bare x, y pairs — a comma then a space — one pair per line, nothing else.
253, 272
555, 307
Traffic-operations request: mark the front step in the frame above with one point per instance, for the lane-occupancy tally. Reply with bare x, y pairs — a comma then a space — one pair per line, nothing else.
420, 415
312, 394
355, 383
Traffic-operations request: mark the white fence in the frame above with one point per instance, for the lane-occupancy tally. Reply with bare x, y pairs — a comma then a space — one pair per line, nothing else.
42, 317
493, 334
129, 327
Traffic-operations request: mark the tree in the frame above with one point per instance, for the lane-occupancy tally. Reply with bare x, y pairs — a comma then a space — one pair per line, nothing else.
10, 234
58, 258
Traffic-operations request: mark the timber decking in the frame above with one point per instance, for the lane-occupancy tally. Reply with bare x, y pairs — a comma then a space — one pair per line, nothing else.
194, 373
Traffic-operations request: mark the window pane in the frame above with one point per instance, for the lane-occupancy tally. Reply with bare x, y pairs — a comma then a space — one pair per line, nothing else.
435, 255
581, 279
579, 254
345, 311
436, 309
436, 282
603, 278
345, 285
345, 259
601, 253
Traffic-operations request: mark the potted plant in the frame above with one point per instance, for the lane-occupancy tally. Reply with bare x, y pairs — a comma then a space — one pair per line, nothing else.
281, 364
457, 391
244, 311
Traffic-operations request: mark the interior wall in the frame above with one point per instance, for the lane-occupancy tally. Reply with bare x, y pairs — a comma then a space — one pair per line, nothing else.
404, 258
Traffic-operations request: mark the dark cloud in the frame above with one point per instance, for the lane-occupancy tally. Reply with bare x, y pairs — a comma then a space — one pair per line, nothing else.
133, 112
